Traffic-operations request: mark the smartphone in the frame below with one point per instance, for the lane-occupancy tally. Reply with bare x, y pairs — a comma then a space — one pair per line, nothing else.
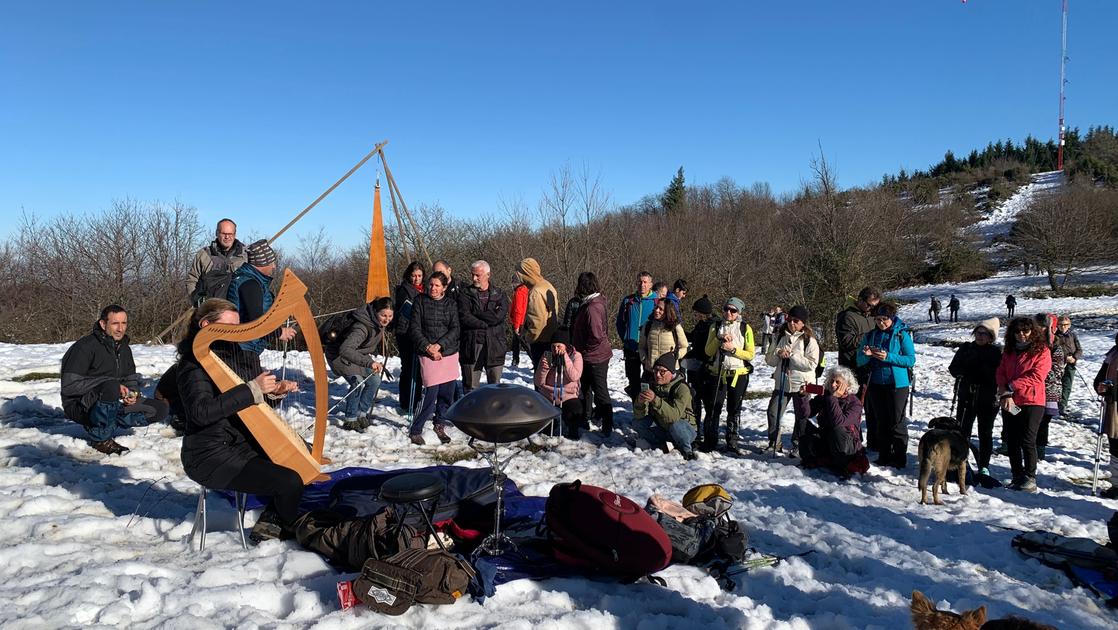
814, 389
1013, 409
644, 387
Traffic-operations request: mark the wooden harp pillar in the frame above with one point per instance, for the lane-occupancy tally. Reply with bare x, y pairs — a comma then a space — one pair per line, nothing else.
280, 442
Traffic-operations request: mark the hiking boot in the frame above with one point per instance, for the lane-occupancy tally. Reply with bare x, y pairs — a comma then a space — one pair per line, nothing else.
1028, 485
689, 455
109, 447
417, 439
359, 424
440, 431
1110, 493
984, 471
268, 527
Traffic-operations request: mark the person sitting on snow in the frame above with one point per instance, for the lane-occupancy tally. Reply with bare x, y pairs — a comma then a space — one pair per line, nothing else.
100, 384
663, 411
836, 442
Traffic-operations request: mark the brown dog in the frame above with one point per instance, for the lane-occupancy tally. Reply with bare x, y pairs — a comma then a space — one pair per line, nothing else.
926, 617
942, 450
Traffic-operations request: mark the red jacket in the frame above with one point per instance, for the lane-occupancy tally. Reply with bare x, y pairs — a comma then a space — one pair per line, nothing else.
519, 306
1024, 373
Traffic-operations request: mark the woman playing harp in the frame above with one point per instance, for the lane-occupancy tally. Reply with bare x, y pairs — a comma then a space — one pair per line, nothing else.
218, 451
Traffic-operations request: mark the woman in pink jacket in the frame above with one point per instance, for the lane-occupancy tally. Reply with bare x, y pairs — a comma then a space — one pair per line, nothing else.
563, 392
1025, 364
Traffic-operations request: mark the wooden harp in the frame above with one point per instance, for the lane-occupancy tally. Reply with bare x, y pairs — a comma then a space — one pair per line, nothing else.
279, 441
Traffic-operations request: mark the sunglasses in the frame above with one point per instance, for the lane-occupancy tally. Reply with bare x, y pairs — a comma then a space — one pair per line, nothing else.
730, 309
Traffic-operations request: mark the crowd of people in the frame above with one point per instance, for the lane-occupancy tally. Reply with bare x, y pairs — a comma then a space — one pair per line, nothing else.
678, 381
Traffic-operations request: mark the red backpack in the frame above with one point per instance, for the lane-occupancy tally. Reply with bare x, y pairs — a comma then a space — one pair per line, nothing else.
594, 527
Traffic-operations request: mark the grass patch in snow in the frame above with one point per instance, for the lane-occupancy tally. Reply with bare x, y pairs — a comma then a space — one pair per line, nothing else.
756, 395
1082, 291
453, 456
36, 376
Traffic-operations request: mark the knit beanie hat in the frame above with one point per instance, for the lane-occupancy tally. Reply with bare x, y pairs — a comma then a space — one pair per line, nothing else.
703, 305
666, 361
736, 303
991, 325
561, 336
799, 312
261, 254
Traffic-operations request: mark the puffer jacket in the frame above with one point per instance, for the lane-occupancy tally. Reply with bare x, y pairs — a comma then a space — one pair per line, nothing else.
541, 319
1024, 374
800, 367
546, 375
365, 339
976, 365
656, 341
434, 321
404, 303
900, 357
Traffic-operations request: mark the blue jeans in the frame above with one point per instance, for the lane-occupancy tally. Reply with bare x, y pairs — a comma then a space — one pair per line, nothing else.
436, 400
681, 433
361, 396
105, 418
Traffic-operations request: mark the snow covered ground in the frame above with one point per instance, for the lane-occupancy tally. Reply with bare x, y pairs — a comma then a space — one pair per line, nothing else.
1000, 219
91, 540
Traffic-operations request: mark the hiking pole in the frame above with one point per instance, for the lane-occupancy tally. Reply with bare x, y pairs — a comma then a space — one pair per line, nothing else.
559, 389
351, 391
1098, 441
411, 388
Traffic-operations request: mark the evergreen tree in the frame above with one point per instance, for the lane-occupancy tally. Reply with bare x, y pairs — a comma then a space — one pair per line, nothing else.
675, 195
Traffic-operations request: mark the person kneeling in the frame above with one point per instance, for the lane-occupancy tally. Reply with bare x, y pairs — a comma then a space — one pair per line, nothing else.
557, 378
218, 451
663, 412
836, 443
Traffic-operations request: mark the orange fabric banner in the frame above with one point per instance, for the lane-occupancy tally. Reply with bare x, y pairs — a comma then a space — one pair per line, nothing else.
377, 283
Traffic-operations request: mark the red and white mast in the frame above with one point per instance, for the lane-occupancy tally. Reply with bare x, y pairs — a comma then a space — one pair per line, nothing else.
1063, 61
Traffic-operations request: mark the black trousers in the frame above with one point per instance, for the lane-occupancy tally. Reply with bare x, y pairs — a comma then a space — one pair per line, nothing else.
595, 387
262, 477
888, 405
633, 369
1020, 432
410, 390
1042, 431
572, 418
732, 397
981, 404
536, 350
700, 381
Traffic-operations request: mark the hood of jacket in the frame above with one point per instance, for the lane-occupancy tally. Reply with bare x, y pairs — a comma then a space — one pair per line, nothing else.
529, 271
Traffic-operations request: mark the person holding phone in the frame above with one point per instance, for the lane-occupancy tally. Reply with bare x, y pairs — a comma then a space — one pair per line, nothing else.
888, 353
837, 442
793, 357
1025, 363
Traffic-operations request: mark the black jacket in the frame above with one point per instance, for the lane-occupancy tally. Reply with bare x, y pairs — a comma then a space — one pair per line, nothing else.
976, 365
482, 329
364, 339
698, 337
216, 445
404, 298
850, 326
434, 321
88, 364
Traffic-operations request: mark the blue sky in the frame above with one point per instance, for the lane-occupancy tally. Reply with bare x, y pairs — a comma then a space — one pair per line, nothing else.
251, 109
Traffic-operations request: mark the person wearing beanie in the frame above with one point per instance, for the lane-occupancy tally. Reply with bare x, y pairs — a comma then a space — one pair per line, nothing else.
731, 345
889, 355
541, 318
697, 362
250, 290
1104, 386
974, 367
662, 411
557, 378
794, 358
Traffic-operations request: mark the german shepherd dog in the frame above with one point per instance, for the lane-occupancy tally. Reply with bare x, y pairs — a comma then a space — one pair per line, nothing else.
943, 448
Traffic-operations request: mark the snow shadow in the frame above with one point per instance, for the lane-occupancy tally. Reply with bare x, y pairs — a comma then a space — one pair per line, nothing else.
110, 485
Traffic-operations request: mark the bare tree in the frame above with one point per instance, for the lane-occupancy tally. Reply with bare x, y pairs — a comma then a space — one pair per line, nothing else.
1064, 232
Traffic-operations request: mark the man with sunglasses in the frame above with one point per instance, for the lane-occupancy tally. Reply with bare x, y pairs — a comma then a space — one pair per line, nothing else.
663, 413
731, 343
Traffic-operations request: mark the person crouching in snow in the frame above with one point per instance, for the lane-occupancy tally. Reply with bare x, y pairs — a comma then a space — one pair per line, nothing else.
836, 443
663, 411
557, 378
1104, 385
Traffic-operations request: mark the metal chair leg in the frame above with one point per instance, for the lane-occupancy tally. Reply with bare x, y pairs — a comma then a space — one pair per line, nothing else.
242, 503
200, 521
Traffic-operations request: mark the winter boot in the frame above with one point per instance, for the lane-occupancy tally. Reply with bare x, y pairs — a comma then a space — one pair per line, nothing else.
732, 425
607, 422
268, 527
440, 431
109, 447
1028, 485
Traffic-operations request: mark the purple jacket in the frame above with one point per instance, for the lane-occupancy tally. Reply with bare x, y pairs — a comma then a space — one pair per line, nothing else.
589, 334
838, 413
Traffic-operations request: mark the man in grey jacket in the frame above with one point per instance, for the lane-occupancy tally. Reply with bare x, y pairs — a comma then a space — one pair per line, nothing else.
1073, 352
214, 264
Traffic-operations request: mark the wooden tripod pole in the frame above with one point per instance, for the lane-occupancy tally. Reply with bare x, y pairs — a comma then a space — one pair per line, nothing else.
377, 149
415, 230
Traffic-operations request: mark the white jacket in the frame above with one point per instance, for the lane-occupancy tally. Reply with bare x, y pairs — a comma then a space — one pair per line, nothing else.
800, 368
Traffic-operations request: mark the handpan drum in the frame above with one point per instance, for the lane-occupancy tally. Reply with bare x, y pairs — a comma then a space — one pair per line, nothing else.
502, 413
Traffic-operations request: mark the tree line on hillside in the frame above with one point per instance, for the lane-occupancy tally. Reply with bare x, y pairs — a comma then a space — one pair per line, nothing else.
816, 247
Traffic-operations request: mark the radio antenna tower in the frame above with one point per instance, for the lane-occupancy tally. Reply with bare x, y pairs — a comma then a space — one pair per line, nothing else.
1063, 81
